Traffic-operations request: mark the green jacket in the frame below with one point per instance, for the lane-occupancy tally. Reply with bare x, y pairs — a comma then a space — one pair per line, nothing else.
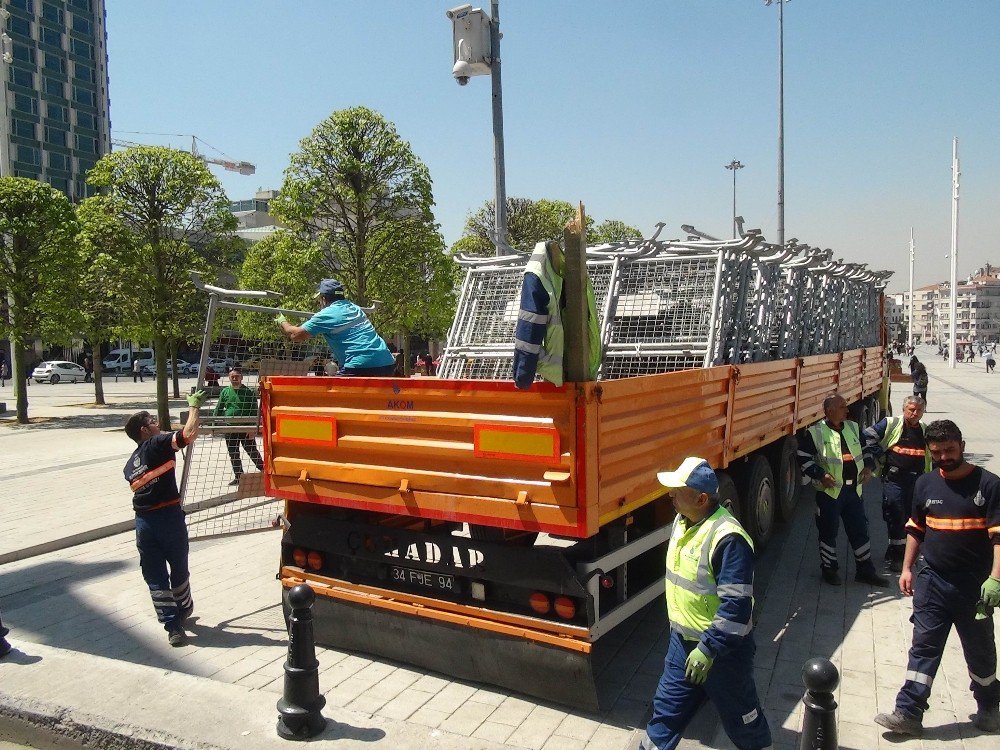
236, 402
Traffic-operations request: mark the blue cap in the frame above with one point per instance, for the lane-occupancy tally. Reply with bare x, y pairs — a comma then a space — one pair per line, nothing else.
695, 473
330, 288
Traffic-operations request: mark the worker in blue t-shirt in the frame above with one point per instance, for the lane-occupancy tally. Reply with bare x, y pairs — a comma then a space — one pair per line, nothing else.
352, 338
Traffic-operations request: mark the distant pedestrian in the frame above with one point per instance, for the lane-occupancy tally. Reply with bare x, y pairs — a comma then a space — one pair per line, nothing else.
920, 380
88, 370
972, 355
237, 400
990, 362
160, 531
709, 585
4, 373
830, 454
136, 371
955, 528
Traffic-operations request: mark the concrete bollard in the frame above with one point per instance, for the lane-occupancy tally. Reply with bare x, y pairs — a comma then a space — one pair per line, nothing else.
299, 708
819, 724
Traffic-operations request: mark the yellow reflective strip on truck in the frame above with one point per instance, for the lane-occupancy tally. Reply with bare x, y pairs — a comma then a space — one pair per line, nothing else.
306, 429
509, 441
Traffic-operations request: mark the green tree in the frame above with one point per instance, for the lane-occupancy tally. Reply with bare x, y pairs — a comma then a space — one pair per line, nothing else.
39, 271
174, 217
360, 196
532, 221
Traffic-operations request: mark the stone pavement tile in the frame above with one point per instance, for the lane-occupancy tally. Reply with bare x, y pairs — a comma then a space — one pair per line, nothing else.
467, 718
428, 717
854, 736
431, 683
609, 737
451, 697
493, 732
857, 708
491, 697
352, 687
580, 727
254, 681
558, 742
854, 682
405, 704
512, 711
536, 728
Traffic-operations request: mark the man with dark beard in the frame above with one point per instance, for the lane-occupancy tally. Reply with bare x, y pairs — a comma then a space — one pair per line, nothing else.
955, 524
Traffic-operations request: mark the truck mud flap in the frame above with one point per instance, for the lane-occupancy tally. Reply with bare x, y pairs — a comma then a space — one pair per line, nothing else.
478, 654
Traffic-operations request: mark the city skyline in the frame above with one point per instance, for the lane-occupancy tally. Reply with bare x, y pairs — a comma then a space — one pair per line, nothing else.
633, 113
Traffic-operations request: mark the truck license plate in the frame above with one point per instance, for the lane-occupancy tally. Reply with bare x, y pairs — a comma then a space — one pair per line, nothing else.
423, 579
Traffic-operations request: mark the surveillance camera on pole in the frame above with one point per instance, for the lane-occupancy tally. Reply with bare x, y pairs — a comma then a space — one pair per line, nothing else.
472, 47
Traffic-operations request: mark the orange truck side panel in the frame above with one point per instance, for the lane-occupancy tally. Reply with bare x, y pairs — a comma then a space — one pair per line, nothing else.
565, 460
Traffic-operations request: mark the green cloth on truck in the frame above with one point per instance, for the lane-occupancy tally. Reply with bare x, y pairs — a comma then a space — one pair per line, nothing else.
236, 402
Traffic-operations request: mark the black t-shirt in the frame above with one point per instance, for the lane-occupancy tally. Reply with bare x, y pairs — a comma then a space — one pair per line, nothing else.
150, 471
958, 521
908, 454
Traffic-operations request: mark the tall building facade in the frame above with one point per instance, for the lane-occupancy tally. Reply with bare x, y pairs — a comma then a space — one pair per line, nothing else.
58, 111
978, 313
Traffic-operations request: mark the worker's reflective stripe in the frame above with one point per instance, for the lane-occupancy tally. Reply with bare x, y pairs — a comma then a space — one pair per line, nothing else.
912, 524
686, 631
847, 458
984, 681
923, 679
897, 542
908, 451
692, 586
532, 317
173, 442
165, 504
866, 547
994, 529
735, 589
733, 628
956, 524
149, 476
526, 346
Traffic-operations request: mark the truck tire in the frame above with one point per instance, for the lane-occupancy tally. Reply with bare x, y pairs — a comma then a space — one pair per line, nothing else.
787, 476
729, 496
757, 491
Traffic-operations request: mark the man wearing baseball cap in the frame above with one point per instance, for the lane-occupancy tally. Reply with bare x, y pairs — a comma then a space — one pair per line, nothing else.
709, 583
352, 338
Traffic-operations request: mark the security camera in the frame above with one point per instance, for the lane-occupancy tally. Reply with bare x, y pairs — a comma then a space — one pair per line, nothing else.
462, 80
462, 71
457, 12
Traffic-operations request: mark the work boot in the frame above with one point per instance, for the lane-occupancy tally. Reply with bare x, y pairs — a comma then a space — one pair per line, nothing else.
899, 723
177, 638
5, 647
872, 578
235, 482
830, 576
986, 719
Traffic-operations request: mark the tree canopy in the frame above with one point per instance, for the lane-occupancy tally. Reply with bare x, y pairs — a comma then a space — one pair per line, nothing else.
39, 271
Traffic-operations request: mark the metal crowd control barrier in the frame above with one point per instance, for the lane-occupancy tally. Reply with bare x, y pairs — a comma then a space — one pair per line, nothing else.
667, 305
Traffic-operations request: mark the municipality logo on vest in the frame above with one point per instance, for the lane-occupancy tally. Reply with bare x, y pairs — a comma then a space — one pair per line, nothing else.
138, 459
979, 499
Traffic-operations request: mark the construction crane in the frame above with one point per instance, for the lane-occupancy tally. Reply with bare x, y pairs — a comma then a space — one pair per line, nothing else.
243, 167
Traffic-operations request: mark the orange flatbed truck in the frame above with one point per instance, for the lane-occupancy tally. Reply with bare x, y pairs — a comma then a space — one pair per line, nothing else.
556, 486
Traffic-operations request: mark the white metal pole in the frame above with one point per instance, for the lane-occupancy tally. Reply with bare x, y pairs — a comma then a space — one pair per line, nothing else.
781, 123
909, 326
953, 320
500, 187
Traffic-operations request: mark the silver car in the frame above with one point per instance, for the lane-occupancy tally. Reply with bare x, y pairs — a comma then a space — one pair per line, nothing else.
57, 371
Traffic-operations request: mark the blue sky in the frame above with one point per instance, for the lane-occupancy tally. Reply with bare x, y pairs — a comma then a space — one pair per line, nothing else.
632, 108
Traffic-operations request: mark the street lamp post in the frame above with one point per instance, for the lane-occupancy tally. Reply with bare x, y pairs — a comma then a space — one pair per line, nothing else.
733, 166
6, 58
477, 56
909, 325
781, 118
953, 320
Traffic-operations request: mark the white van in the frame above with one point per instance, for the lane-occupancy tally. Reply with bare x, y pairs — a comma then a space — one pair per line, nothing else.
120, 360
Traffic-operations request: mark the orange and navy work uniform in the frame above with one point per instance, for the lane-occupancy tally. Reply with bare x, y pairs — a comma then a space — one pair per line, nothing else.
958, 525
160, 528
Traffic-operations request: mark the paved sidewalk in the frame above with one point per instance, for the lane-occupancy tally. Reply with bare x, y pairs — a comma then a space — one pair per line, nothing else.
86, 609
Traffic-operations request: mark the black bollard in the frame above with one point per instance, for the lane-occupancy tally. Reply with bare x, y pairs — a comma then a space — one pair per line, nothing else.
301, 703
819, 725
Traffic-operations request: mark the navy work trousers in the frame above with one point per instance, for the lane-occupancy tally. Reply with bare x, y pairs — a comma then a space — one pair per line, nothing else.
730, 686
162, 538
937, 605
233, 442
897, 504
849, 507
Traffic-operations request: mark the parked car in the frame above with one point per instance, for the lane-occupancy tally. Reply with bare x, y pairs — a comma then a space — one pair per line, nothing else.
120, 360
57, 371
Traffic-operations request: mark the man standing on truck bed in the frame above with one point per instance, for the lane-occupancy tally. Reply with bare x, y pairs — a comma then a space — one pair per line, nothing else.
955, 525
710, 604
830, 454
352, 338
899, 443
160, 532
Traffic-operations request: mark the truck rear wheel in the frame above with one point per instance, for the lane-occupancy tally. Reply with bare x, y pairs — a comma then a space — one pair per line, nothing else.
758, 495
729, 496
785, 467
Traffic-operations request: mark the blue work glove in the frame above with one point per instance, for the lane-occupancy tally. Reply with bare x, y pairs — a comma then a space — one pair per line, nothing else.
280, 318
697, 666
196, 399
989, 594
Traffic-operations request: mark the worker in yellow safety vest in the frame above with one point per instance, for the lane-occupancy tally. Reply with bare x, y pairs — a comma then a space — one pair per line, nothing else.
898, 444
830, 455
709, 582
